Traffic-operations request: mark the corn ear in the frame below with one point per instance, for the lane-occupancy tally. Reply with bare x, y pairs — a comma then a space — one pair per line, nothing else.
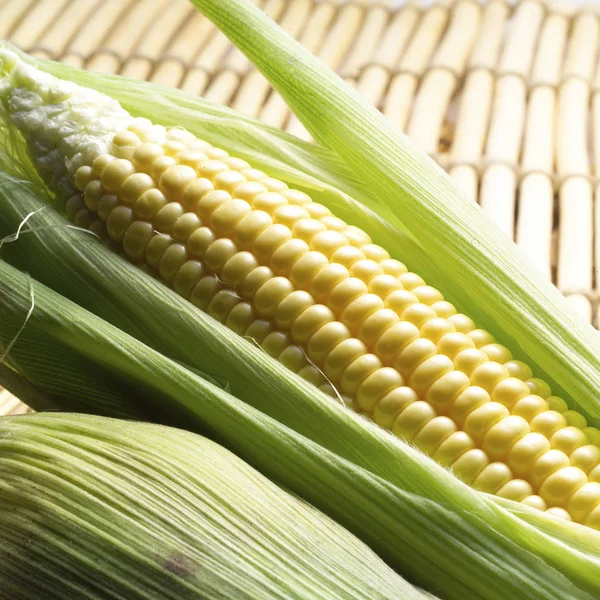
484, 272
98, 508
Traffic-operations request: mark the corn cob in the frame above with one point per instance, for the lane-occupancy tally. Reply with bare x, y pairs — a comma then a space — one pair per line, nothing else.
315, 293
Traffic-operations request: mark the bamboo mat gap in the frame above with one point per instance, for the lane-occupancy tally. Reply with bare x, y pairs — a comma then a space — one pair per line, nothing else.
506, 97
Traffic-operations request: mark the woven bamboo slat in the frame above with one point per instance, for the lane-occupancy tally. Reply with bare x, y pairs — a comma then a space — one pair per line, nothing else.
506, 96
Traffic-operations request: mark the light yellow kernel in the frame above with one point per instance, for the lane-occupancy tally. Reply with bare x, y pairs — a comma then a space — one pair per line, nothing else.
516, 490
518, 369
469, 359
156, 248
204, 291
375, 386
509, 391
529, 406
525, 453
534, 501
483, 418
575, 419
174, 180
325, 339
342, 355
468, 467
134, 186
547, 464
248, 190
585, 457
383, 285
393, 267
428, 372
171, 261
239, 320
583, 501
185, 226
410, 281
400, 300
274, 185
297, 197
293, 357
446, 389
174, 147
375, 252
149, 204
365, 269
270, 294
559, 513
92, 194
427, 294
466, 402
120, 218
126, 138
227, 215
218, 253
548, 422
413, 355
228, 180
347, 256
145, 155
355, 314
106, 205
254, 280
444, 309
502, 436
167, 216
497, 353
307, 229
160, 166
357, 237
100, 163
178, 134
136, 239
234, 163
334, 223
284, 258
539, 387
250, 227
269, 240
557, 404
317, 211
376, 324
413, 419
392, 404
327, 242
190, 158
418, 314
452, 343
275, 343
481, 337
83, 176
452, 448
558, 488
462, 323
568, 439
489, 375
326, 281
594, 474
492, 478
310, 321
254, 175
394, 340
211, 168
438, 430
187, 277
593, 435
435, 329
115, 173
222, 304
289, 215
311, 374
199, 241
237, 268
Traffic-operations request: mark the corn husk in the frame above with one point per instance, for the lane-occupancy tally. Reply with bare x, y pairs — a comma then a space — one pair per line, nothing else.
99, 508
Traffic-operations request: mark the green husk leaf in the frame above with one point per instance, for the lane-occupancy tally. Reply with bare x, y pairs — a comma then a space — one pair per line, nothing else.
100, 508
485, 272
414, 514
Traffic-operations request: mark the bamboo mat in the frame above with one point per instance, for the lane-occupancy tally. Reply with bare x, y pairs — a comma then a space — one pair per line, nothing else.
506, 97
